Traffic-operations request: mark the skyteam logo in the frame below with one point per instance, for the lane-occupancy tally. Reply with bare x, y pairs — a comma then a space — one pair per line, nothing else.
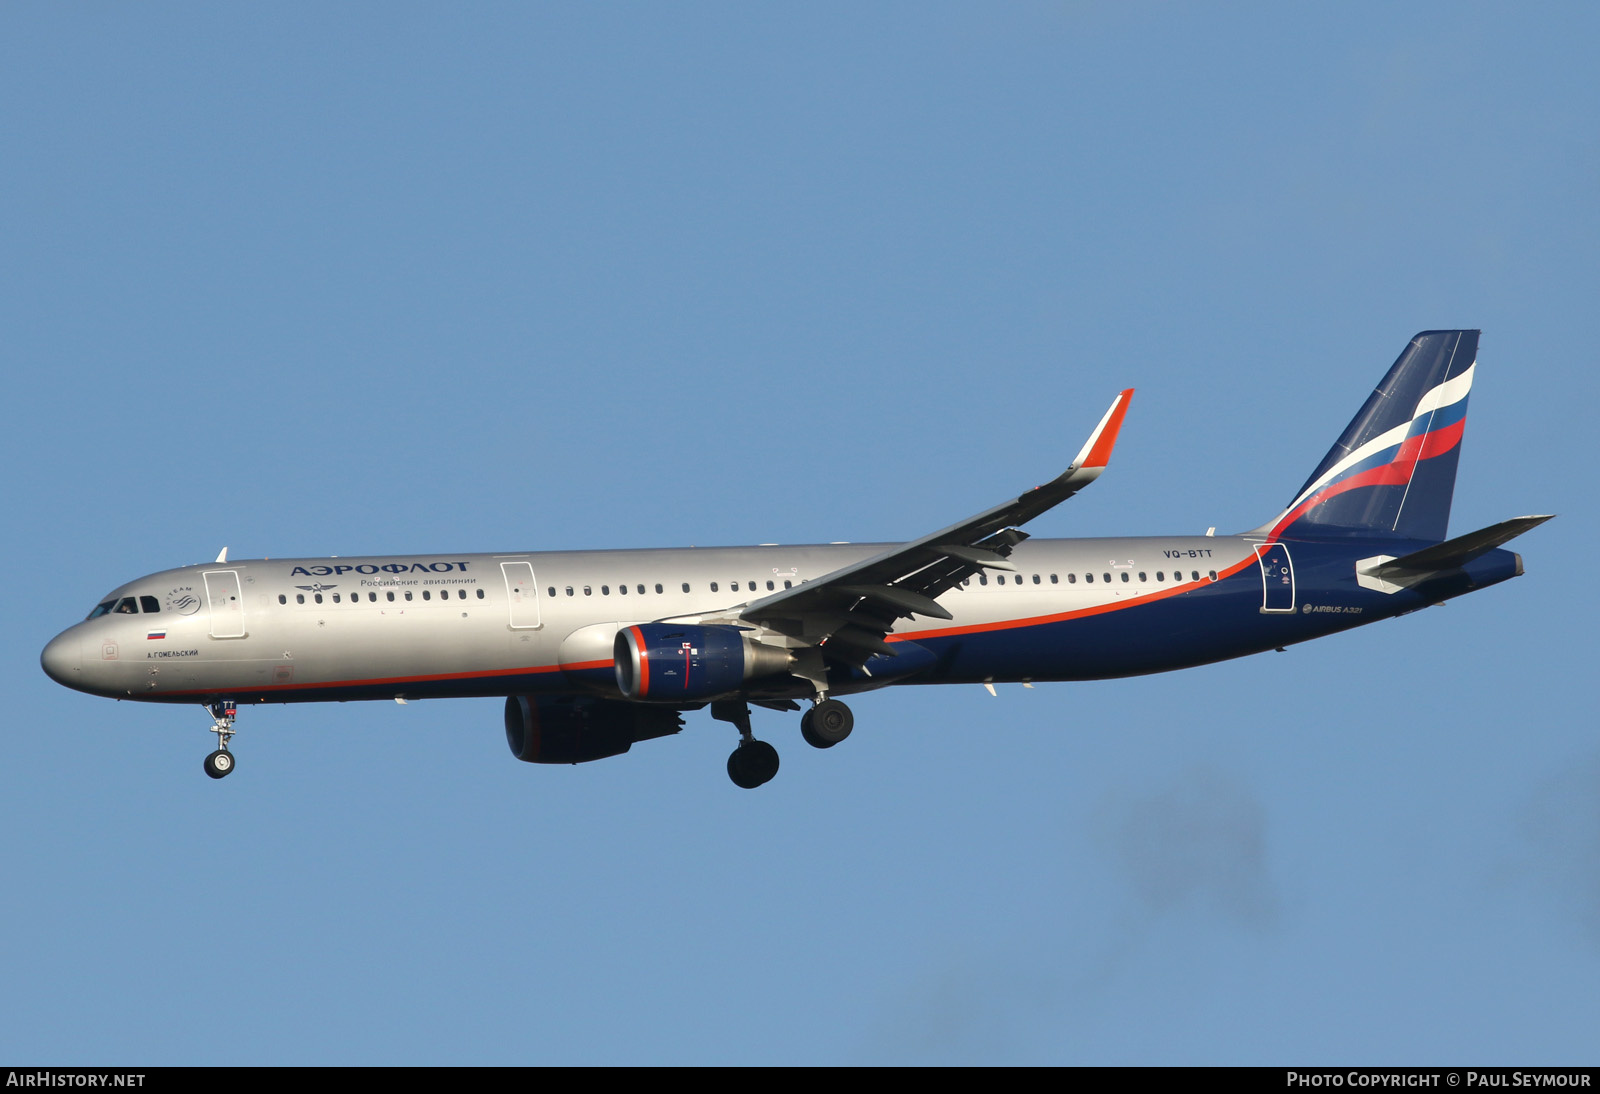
183, 600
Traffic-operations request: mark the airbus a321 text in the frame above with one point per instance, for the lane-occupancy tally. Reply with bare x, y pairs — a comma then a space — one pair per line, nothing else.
595, 651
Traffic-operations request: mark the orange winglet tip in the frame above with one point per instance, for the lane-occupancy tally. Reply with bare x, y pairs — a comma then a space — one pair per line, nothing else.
1097, 450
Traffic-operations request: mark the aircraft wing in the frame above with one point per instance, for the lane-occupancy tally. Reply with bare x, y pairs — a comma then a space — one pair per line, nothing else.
851, 610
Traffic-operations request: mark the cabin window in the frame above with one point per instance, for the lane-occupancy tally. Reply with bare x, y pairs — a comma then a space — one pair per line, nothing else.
464, 594
641, 589
685, 586
1213, 575
1160, 576
770, 586
390, 595
1107, 577
569, 590
552, 591
1194, 575
983, 579
1125, 577
1142, 577
299, 598
588, 591
713, 586
1036, 579
1089, 578
786, 585
336, 598
282, 599
622, 590
1054, 580
658, 587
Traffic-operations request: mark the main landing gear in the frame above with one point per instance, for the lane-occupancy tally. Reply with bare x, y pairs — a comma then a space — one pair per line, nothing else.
755, 762
220, 763
826, 724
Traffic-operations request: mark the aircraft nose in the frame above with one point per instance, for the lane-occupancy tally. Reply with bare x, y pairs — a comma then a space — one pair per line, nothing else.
62, 659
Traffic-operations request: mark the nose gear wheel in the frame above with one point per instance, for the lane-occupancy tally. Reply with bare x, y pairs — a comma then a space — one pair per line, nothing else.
223, 712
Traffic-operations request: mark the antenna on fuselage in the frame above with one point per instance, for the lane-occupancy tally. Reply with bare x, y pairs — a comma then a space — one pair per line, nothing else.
222, 556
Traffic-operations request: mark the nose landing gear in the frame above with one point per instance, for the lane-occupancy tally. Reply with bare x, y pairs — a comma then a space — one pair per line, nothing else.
220, 763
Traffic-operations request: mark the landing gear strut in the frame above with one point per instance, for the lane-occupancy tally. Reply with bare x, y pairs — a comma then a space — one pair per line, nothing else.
220, 763
753, 762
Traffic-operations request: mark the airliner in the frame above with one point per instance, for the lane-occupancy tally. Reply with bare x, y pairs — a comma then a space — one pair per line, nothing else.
595, 651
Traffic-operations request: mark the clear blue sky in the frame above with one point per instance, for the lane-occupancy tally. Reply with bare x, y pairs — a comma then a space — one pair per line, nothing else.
300, 280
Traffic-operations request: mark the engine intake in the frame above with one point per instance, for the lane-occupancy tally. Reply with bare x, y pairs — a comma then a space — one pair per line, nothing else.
665, 662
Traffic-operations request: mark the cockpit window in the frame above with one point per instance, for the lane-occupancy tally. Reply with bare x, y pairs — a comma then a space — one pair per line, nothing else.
127, 606
102, 609
149, 604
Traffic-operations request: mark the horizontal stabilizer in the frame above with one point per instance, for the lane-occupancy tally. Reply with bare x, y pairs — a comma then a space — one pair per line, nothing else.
1449, 555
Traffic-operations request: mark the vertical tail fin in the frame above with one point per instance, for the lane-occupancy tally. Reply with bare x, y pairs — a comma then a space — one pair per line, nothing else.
1393, 470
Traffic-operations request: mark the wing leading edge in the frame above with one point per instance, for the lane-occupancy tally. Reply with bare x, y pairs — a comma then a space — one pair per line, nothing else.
851, 611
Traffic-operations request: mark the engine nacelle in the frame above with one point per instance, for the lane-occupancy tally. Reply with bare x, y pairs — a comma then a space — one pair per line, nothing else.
670, 662
545, 729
